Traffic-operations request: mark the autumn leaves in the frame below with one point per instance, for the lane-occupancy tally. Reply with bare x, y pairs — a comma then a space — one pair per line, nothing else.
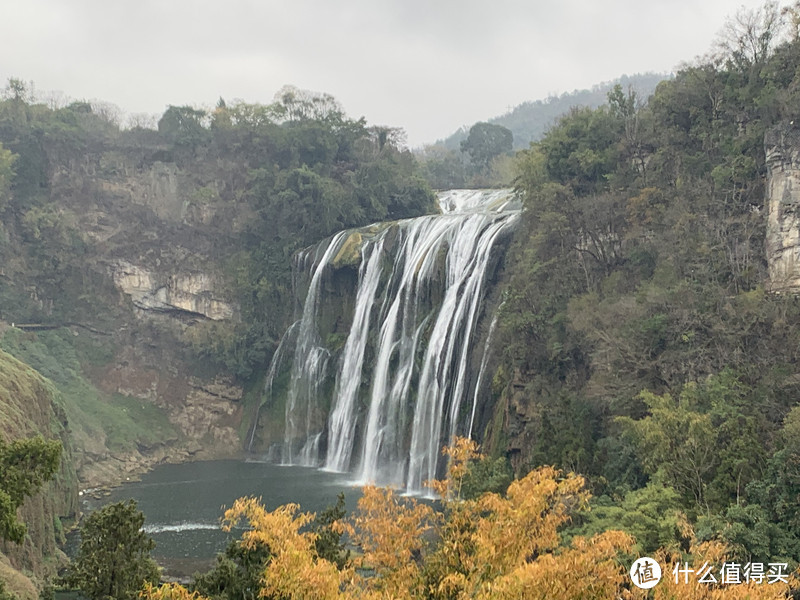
490, 547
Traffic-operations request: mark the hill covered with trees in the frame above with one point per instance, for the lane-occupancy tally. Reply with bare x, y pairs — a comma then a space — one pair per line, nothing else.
645, 338
529, 121
644, 344
481, 155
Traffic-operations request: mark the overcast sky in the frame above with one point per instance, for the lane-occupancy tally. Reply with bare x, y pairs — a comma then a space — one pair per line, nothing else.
427, 66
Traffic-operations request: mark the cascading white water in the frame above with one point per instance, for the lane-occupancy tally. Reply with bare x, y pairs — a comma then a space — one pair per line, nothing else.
341, 423
274, 366
444, 370
416, 319
309, 370
479, 381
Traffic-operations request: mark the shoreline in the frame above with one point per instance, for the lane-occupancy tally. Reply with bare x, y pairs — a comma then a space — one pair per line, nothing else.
97, 478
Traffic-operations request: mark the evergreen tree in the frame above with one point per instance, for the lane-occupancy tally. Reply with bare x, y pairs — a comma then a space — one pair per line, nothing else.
114, 557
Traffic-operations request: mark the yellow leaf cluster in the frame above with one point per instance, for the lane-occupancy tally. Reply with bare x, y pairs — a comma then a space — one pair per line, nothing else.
295, 571
460, 453
714, 553
168, 591
537, 505
390, 533
505, 546
491, 548
588, 571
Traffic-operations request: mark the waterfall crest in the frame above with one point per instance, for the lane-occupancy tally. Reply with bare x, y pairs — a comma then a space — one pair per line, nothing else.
403, 374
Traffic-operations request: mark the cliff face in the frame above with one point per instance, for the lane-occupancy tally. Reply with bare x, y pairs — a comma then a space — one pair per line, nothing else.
188, 293
29, 406
149, 282
782, 146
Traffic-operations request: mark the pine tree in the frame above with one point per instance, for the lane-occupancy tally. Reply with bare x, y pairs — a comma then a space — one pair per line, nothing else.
114, 558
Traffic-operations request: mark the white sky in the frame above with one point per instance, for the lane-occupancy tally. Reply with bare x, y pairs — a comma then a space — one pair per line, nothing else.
427, 66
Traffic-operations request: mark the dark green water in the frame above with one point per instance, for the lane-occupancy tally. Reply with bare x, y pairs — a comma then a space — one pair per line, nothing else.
183, 503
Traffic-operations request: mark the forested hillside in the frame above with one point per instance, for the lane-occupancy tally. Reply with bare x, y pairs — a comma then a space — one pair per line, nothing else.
147, 272
648, 335
269, 179
480, 155
529, 121
644, 344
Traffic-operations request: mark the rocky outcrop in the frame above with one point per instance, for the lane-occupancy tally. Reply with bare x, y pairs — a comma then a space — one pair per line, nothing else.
204, 416
188, 293
210, 414
151, 293
782, 147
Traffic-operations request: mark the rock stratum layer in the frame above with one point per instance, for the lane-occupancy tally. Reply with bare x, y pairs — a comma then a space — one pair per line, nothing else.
782, 146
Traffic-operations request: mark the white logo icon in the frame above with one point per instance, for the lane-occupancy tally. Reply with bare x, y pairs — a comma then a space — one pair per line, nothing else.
645, 573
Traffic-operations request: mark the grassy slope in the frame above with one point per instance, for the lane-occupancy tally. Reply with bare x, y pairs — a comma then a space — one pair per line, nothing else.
100, 422
30, 405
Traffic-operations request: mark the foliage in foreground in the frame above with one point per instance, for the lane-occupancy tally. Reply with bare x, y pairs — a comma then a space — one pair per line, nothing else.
238, 571
490, 547
25, 465
114, 557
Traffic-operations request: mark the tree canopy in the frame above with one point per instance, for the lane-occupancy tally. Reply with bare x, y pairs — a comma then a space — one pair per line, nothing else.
25, 465
638, 326
485, 142
465, 548
114, 556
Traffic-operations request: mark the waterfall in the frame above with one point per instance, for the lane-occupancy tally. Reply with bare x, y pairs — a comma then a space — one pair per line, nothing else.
479, 381
309, 370
278, 357
403, 374
341, 423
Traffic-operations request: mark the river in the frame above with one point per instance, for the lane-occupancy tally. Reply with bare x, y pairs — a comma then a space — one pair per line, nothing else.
183, 503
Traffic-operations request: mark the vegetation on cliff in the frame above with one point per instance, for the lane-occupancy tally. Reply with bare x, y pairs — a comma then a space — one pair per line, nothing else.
289, 173
640, 345
25, 465
34, 448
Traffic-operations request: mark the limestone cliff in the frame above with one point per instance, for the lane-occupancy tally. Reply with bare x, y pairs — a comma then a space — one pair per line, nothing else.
782, 146
140, 277
179, 293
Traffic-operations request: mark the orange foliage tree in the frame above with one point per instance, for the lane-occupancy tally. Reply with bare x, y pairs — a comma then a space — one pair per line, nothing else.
495, 547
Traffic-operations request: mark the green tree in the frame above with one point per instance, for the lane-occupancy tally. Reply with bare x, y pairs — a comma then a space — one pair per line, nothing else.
486, 475
328, 544
704, 445
582, 151
183, 126
650, 514
237, 574
114, 557
24, 466
486, 141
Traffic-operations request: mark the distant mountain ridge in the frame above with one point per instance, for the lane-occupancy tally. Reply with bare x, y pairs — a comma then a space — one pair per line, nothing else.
530, 120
